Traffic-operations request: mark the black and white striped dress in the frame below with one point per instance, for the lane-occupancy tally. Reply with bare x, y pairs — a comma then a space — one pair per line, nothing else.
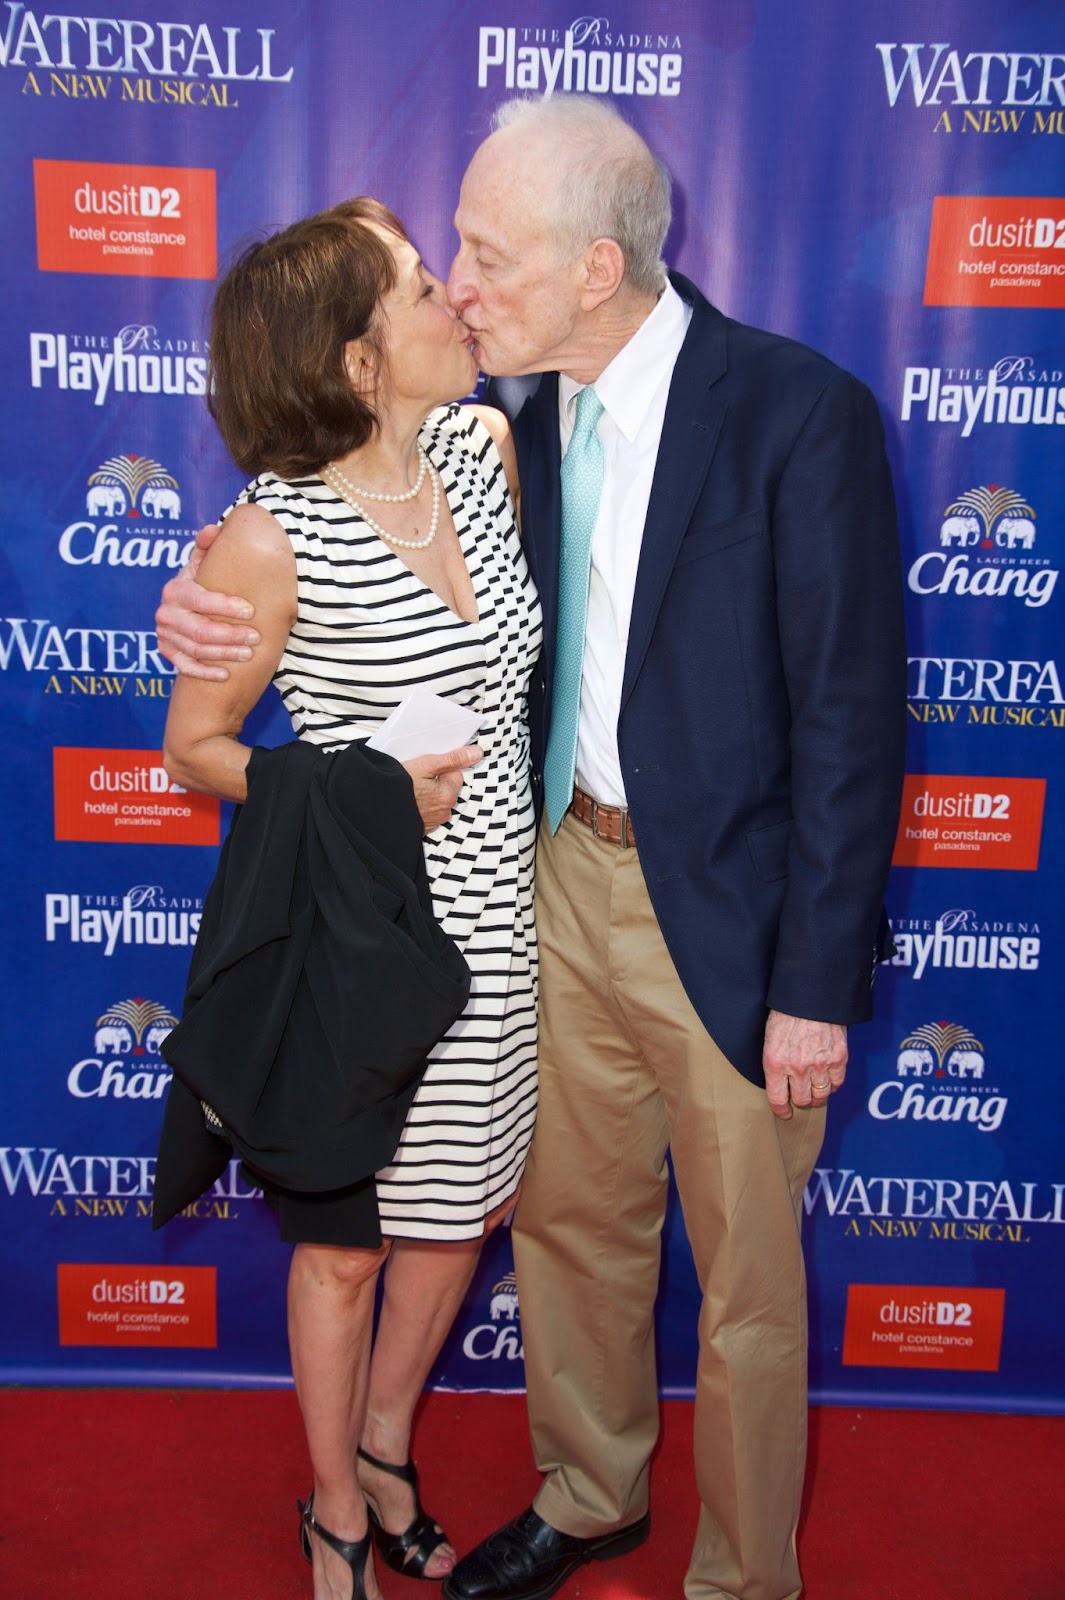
366, 631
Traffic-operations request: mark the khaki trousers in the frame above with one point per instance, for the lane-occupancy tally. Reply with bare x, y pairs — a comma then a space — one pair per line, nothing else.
627, 1070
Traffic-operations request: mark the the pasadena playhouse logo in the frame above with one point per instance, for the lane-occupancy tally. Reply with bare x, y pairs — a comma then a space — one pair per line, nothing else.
959, 940
985, 548
1014, 391
145, 914
132, 505
498, 1339
135, 360
590, 56
940, 1076
127, 60
126, 1063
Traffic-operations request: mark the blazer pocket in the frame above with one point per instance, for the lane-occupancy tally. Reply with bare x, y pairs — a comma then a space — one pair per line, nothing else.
720, 536
769, 850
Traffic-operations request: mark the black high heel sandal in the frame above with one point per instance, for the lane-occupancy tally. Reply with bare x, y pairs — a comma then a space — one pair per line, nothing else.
355, 1552
408, 1553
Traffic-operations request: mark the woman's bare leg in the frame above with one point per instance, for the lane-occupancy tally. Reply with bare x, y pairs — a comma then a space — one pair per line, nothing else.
330, 1322
425, 1283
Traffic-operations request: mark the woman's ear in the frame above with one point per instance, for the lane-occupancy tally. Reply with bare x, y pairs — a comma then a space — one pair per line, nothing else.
360, 366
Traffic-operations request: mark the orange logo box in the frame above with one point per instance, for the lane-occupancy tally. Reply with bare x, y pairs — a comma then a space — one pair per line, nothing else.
147, 222
126, 1305
126, 797
996, 250
893, 1325
949, 821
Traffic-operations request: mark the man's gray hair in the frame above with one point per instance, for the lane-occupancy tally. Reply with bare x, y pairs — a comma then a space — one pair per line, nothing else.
610, 186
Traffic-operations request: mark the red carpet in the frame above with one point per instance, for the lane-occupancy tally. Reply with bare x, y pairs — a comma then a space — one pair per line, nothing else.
190, 1495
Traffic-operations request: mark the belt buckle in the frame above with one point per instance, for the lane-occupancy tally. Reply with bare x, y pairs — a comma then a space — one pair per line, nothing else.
622, 840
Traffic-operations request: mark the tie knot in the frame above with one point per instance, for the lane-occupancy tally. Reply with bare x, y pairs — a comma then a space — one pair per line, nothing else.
589, 410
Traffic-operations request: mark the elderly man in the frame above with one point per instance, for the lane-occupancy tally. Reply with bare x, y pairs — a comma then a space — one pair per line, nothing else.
709, 518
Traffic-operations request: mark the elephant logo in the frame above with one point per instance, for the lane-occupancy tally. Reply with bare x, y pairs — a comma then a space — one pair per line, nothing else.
105, 500
157, 501
133, 485
960, 530
113, 1039
988, 516
916, 1061
1013, 531
504, 1302
940, 1050
133, 1027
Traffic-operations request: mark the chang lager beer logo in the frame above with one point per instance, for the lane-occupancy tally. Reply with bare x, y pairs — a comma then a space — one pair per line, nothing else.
939, 1077
132, 503
498, 1339
126, 1065
986, 550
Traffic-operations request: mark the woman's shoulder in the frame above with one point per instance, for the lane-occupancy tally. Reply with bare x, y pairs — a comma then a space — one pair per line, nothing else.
455, 424
269, 487
477, 432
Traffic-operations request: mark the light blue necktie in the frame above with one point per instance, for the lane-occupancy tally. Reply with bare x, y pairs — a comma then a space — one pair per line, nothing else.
582, 484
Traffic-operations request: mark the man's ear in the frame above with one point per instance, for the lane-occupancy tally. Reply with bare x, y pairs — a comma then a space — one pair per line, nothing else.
604, 272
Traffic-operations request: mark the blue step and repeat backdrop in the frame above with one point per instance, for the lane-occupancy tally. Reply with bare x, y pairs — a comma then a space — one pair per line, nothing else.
889, 191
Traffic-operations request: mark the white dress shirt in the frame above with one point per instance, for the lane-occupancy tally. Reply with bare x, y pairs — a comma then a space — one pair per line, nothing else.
634, 389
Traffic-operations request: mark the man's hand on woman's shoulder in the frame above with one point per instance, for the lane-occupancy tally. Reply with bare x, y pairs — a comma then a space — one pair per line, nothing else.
189, 621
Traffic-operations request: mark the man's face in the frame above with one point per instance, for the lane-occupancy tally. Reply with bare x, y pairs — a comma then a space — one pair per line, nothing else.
520, 302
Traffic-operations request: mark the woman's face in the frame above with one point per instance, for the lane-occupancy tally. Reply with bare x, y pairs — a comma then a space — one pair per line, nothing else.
428, 356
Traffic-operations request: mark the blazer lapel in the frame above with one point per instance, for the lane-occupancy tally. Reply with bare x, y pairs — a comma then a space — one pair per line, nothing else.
539, 462
695, 411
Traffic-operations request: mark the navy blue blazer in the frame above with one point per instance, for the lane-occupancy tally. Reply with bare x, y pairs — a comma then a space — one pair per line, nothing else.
762, 722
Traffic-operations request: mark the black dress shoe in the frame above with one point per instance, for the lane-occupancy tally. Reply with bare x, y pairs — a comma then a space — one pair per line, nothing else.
527, 1559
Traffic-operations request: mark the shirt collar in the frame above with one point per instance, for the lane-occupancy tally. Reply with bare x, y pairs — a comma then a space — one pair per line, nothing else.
628, 385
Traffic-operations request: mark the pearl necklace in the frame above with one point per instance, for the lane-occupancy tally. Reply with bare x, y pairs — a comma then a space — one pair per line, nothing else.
336, 480
395, 499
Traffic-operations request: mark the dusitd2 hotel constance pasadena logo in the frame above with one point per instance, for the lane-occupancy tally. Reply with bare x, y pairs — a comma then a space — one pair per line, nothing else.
156, 222
127, 797
104, 1303
908, 1325
994, 250
947, 820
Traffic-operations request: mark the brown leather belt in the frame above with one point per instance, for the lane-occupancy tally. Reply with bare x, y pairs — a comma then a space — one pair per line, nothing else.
611, 823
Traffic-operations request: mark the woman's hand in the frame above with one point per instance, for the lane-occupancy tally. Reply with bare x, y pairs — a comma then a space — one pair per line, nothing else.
437, 781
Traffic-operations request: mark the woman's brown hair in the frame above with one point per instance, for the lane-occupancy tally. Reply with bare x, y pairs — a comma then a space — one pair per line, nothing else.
278, 386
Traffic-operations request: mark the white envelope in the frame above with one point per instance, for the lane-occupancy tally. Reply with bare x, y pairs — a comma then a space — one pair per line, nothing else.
425, 724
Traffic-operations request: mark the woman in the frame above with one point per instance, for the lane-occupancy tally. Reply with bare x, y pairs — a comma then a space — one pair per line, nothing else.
378, 545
